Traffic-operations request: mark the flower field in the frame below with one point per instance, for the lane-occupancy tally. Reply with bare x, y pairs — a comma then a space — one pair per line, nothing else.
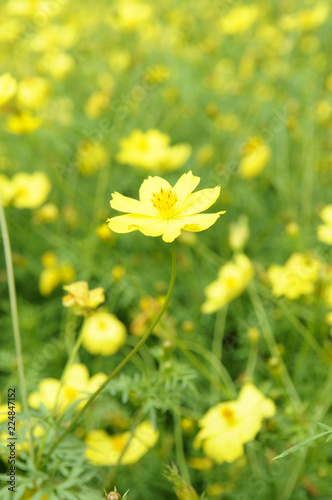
165, 257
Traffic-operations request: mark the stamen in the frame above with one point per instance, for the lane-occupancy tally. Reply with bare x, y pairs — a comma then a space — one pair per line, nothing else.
229, 415
164, 202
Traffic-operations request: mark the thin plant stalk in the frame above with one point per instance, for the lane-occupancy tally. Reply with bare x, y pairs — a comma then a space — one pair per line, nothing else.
68, 365
110, 478
14, 315
123, 362
272, 346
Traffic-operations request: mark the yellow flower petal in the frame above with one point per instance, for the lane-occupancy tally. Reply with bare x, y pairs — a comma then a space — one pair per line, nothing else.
152, 185
224, 448
185, 185
150, 226
173, 230
77, 376
129, 205
198, 202
195, 223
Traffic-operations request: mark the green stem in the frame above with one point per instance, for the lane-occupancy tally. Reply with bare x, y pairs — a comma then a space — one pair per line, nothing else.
14, 315
68, 365
123, 362
110, 478
227, 386
219, 330
201, 368
180, 456
252, 360
272, 346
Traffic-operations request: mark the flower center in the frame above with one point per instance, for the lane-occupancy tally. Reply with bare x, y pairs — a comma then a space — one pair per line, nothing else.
229, 415
70, 393
119, 442
164, 202
142, 144
230, 282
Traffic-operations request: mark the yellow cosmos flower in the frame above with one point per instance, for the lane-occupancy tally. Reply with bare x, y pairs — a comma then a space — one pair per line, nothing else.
77, 386
32, 93
23, 123
103, 449
30, 190
46, 214
6, 190
297, 277
239, 19
227, 426
81, 299
324, 231
91, 157
163, 210
54, 274
152, 151
8, 86
233, 279
131, 15
4, 410
256, 155
307, 19
103, 334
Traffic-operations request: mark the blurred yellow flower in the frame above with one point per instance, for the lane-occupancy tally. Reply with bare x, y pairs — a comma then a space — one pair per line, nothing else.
23, 123
238, 233
118, 273
227, 426
201, 463
164, 210
4, 410
119, 60
104, 233
54, 274
6, 190
32, 93
30, 190
239, 19
297, 277
152, 151
91, 157
132, 14
46, 214
8, 86
81, 299
77, 385
233, 279
96, 104
256, 155
324, 231
103, 449
103, 334
57, 64
307, 19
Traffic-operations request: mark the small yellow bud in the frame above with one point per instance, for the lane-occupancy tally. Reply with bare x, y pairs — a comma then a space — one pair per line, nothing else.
292, 229
104, 233
49, 259
187, 424
118, 273
187, 326
253, 335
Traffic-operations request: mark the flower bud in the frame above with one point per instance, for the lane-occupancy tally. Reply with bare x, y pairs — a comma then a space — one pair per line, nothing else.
113, 495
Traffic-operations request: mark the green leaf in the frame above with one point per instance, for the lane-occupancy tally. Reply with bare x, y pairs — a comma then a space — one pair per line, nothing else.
299, 445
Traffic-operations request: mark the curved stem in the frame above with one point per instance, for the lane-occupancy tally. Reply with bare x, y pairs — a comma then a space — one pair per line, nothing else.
14, 314
124, 361
68, 365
